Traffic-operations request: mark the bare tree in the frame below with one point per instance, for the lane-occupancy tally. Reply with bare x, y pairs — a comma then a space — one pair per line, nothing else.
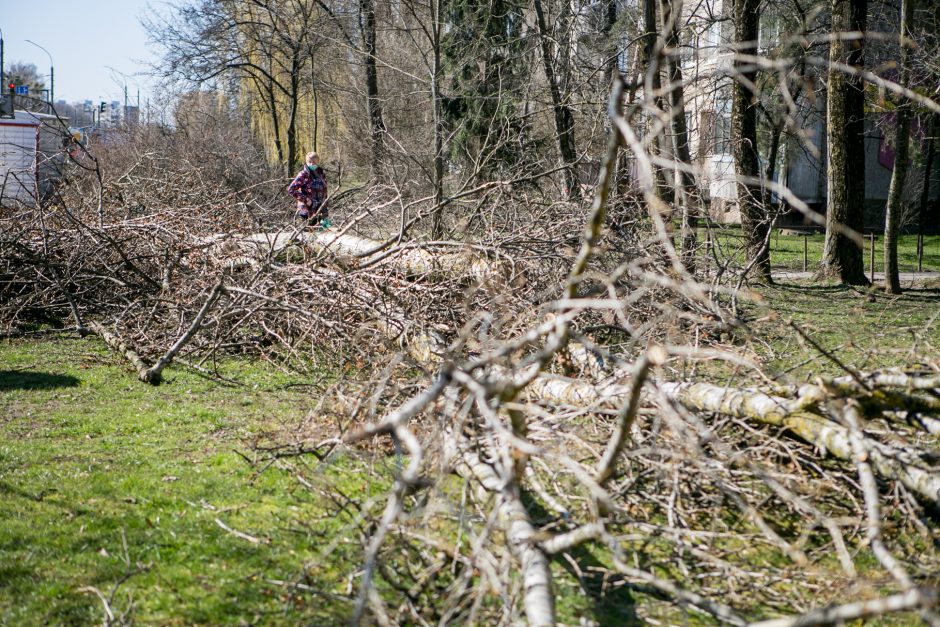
902, 141
367, 28
264, 44
557, 76
689, 197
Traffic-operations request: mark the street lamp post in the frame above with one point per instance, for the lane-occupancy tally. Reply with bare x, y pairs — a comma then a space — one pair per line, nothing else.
51, 72
2, 82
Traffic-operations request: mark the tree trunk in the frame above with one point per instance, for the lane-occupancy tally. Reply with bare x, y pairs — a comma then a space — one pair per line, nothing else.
902, 130
267, 91
690, 199
315, 122
518, 530
373, 103
845, 146
611, 48
437, 223
411, 258
564, 120
293, 159
895, 460
755, 220
652, 85
611, 69
932, 127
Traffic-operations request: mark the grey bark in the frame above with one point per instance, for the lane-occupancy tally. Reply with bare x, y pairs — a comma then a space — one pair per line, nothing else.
932, 129
653, 84
690, 198
755, 220
293, 160
373, 102
845, 120
564, 120
437, 225
902, 142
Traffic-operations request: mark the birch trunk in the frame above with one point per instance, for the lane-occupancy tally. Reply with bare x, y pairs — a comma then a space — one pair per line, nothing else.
900, 462
411, 259
538, 597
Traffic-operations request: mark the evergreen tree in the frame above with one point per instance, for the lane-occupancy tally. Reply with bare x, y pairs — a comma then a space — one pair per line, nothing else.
484, 56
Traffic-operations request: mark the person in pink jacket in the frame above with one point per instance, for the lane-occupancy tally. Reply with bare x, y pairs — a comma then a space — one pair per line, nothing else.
309, 190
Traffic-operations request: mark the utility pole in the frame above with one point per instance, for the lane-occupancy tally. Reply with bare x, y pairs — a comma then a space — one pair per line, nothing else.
7, 104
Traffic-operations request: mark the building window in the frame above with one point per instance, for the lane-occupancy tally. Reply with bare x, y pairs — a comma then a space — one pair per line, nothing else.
721, 137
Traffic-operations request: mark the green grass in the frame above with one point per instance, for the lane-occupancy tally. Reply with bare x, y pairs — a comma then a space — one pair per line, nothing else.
865, 329
107, 481
786, 251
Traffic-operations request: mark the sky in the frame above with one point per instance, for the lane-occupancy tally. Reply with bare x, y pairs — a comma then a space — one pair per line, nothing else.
97, 46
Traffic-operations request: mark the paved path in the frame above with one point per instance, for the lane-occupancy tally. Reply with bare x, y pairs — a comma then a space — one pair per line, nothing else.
908, 279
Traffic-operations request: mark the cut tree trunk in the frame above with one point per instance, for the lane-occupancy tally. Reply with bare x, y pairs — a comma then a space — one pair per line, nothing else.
899, 461
463, 263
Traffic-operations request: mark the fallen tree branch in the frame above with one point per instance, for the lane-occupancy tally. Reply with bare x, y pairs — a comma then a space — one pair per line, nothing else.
900, 462
914, 599
861, 453
238, 534
120, 346
153, 374
539, 600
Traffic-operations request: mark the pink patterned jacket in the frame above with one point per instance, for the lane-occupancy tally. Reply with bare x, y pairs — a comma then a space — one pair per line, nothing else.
309, 189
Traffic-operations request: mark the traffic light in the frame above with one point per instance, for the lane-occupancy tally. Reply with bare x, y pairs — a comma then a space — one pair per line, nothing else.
102, 107
6, 104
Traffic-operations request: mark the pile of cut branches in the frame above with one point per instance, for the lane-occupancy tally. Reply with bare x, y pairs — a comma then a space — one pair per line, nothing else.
539, 362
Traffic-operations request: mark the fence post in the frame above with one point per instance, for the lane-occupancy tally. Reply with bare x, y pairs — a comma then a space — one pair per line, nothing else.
708, 247
871, 240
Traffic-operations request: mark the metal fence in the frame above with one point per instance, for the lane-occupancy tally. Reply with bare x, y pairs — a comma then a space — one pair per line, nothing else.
800, 250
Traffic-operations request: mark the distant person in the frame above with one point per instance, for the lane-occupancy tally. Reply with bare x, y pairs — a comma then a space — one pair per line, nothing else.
309, 190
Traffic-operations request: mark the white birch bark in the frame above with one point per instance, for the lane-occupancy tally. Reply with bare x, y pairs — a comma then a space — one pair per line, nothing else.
408, 258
